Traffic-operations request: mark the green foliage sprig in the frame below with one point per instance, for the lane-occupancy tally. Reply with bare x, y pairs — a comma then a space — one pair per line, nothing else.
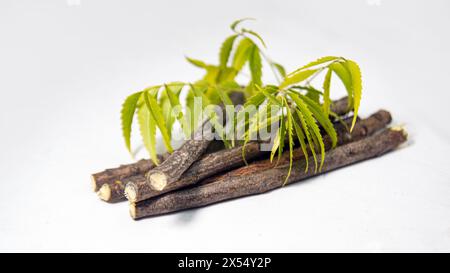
302, 108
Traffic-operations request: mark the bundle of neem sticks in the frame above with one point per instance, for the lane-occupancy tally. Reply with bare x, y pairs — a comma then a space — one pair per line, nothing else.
195, 175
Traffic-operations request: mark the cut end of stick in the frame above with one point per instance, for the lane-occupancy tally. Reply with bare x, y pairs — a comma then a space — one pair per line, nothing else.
93, 184
400, 128
133, 210
158, 181
104, 193
131, 192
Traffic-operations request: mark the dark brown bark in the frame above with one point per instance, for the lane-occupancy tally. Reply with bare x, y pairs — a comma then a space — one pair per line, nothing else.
109, 176
340, 106
137, 188
262, 177
112, 189
180, 160
112, 192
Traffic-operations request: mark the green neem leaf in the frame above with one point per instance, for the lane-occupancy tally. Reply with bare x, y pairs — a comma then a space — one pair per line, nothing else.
166, 108
249, 107
242, 53
322, 118
231, 86
355, 73
147, 128
276, 144
237, 22
308, 136
223, 96
198, 91
254, 101
326, 93
310, 121
346, 78
251, 32
173, 95
255, 65
311, 92
218, 127
226, 74
289, 127
269, 96
127, 114
316, 136
297, 77
280, 69
212, 74
258, 98
155, 110
314, 95
225, 50
197, 63
282, 132
301, 140
315, 63
255, 124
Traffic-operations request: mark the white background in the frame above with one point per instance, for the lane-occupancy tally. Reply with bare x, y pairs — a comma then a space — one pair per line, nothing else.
66, 66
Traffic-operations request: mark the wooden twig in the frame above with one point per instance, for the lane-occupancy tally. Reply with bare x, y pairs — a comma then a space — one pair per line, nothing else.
137, 188
109, 176
179, 161
262, 177
112, 189
340, 106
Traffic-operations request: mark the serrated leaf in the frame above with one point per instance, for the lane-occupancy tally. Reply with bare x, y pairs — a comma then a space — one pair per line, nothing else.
256, 35
297, 77
313, 94
311, 123
218, 127
344, 75
280, 69
322, 118
237, 22
319, 61
289, 127
196, 91
225, 50
255, 65
127, 114
223, 96
147, 128
301, 140
254, 101
212, 74
196, 62
226, 74
282, 133
254, 125
155, 110
355, 73
166, 108
242, 53
308, 136
276, 144
326, 93
173, 96
269, 96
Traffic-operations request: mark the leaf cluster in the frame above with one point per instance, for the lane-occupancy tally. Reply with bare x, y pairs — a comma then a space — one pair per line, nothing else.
302, 112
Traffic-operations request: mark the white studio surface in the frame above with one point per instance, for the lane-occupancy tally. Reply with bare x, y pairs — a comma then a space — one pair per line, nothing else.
66, 67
